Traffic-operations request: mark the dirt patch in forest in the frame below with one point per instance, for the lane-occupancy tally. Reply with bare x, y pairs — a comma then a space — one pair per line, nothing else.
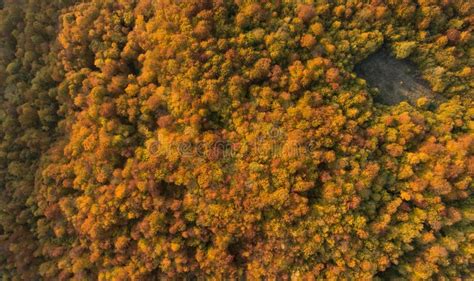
396, 80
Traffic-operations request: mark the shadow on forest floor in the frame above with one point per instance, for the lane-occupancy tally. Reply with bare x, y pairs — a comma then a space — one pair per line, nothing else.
396, 80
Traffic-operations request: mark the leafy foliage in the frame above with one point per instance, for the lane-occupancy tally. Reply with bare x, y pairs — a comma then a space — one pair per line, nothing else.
210, 138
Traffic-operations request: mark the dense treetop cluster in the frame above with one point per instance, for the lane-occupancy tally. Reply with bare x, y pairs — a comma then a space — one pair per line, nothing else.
151, 139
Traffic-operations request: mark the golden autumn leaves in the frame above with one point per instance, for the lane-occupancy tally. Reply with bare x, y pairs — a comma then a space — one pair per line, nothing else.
221, 139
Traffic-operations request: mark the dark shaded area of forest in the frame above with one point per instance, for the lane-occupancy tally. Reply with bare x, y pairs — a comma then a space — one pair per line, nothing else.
396, 80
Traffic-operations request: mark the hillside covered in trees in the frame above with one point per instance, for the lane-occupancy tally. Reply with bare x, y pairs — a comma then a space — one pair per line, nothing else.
218, 139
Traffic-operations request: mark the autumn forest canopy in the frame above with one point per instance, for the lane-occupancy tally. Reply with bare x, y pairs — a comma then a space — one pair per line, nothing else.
218, 139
